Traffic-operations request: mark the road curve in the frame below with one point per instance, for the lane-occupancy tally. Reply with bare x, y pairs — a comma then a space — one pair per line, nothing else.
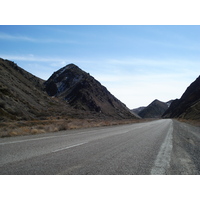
157, 147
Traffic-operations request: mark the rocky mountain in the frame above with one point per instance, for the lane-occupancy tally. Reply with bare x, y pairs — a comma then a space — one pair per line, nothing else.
169, 103
137, 110
22, 96
72, 93
83, 92
154, 109
188, 106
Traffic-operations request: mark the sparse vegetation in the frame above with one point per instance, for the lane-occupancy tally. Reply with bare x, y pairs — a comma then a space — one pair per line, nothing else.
9, 129
192, 122
25, 107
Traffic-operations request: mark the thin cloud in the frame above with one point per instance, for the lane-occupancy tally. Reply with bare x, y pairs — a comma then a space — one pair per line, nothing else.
154, 62
6, 36
52, 61
33, 58
115, 67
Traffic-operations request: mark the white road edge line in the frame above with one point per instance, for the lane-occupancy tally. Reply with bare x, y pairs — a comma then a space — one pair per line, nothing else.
49, 137
28, 140
69, 147
163, 158
43, 138
33, 139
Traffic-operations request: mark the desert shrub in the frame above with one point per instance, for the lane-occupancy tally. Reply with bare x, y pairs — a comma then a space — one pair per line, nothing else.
34, 131
13, 133
51, 128
63, 127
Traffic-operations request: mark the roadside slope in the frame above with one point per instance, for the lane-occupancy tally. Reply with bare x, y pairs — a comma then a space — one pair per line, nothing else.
22, 97
188, 106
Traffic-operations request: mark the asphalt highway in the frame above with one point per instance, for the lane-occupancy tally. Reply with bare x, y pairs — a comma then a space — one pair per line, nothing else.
158, 147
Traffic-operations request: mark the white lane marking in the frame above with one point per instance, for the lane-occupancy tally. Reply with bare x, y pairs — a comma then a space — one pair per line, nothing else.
69, 147
48, 137
41, 138
163, 158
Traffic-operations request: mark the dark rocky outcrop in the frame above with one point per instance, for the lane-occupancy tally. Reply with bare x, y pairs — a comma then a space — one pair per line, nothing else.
188, 106
137, 110
154, 109
83, 92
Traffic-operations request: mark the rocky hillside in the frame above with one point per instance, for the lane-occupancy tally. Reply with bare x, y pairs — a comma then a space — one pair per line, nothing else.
71, 93
154, 109
137, 110
83, 92
188, 106
22, 96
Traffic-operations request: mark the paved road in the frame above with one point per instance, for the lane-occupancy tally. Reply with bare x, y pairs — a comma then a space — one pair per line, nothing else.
158, 147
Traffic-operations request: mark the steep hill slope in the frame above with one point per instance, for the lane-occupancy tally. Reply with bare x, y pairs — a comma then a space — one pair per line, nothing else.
188, 106
137, 110
83, 92
154, 110
22, 95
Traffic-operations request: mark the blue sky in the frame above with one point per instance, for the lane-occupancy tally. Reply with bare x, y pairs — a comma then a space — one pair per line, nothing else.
136, 63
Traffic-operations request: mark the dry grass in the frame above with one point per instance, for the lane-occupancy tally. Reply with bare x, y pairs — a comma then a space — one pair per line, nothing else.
9, 129
191, 122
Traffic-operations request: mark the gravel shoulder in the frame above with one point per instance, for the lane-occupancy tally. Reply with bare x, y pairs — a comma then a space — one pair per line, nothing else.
186, 149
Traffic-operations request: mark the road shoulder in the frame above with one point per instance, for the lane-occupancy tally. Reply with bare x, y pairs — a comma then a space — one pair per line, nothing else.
186, 150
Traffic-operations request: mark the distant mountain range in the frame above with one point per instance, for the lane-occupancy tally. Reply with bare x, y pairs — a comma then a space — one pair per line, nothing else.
153, 110
188, 106
69, 92
137, 110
